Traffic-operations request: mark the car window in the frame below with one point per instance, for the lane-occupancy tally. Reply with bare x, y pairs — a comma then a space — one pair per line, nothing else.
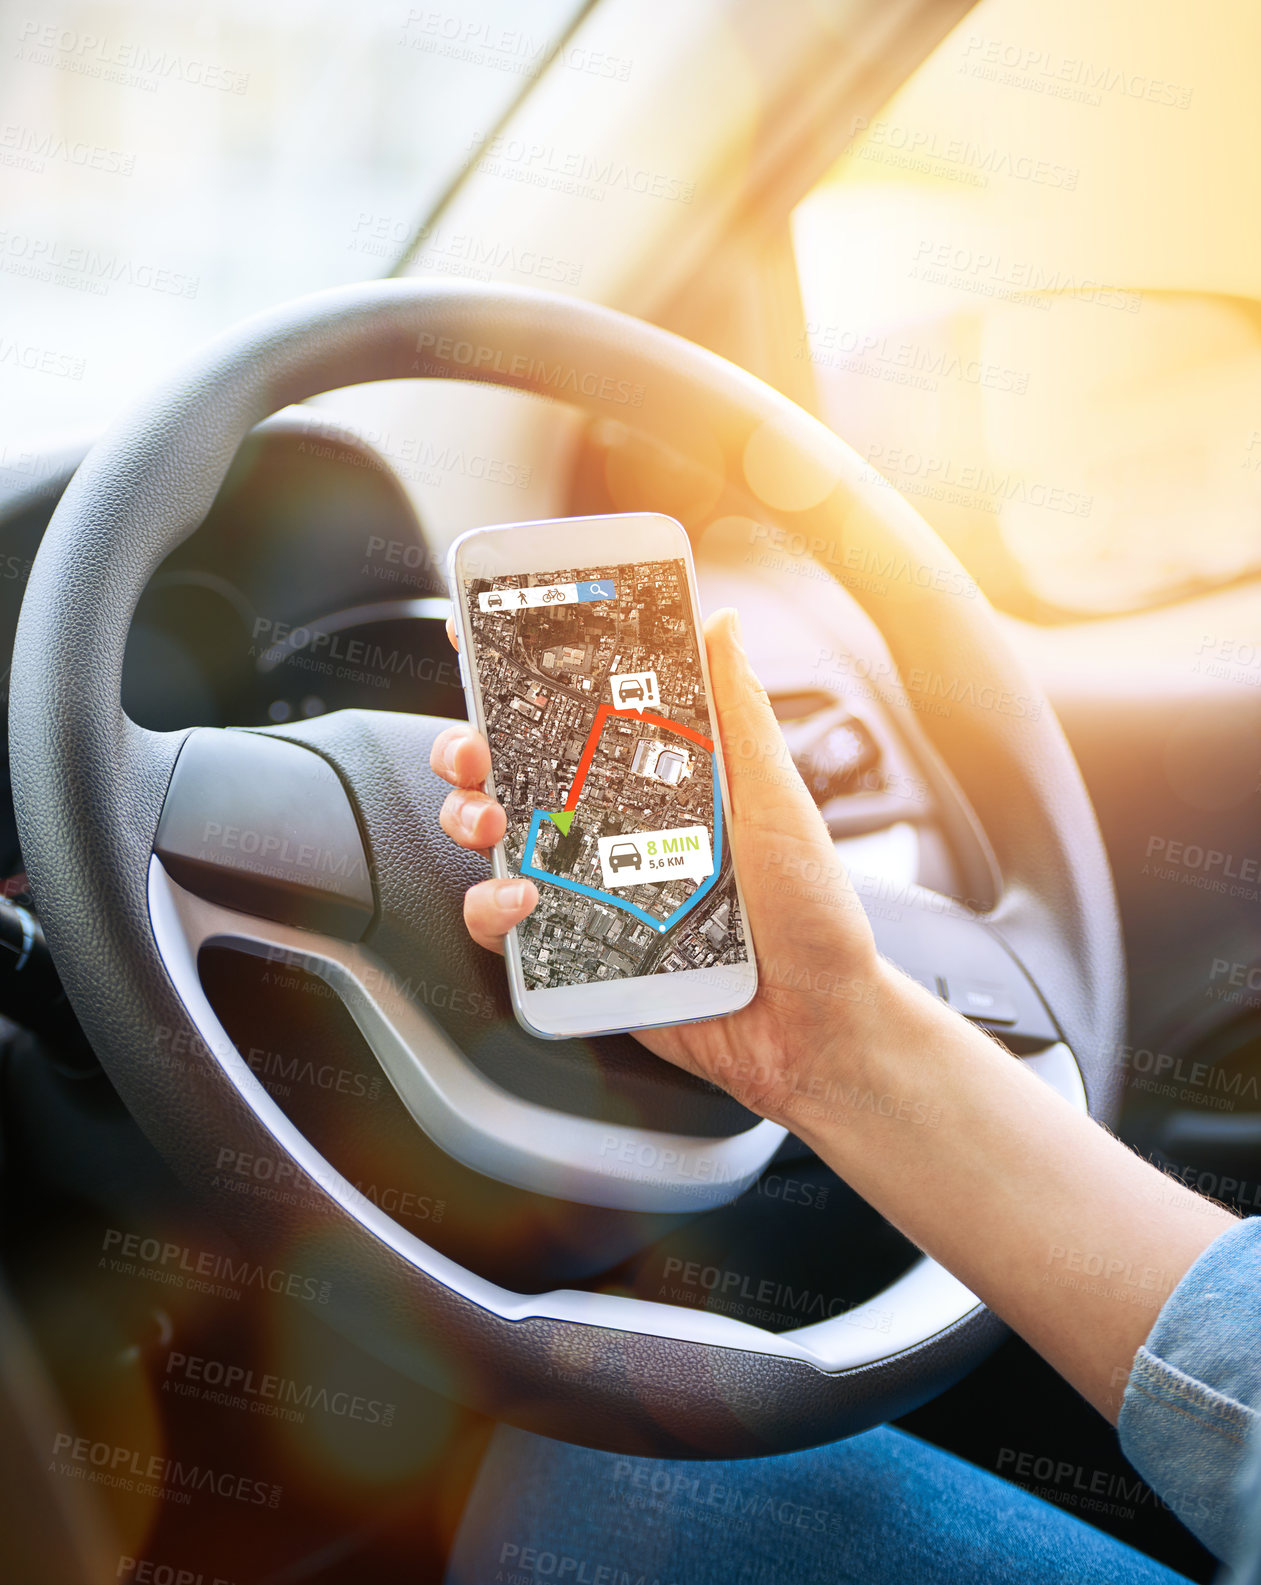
166, 169
1031, 285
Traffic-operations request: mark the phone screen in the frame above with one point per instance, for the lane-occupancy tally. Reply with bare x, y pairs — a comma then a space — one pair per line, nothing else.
599, 732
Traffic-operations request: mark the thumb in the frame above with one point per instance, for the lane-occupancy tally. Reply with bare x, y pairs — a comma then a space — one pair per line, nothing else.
796, 888
767, 792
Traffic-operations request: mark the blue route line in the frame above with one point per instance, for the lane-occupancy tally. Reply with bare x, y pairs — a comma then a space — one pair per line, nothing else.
527, 868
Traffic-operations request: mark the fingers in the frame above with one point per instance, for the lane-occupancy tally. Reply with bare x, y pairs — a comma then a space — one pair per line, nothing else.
492, 908
460, 755
472, 820
469, 816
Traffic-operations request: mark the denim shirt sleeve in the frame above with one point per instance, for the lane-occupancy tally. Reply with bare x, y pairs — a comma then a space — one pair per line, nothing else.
1192, 1404
1247, 1558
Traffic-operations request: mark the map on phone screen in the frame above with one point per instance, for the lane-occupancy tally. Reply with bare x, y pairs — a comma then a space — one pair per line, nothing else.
596, 715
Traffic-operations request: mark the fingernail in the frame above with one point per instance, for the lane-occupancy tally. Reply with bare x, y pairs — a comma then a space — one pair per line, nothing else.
470, 812
737, 632
510, 895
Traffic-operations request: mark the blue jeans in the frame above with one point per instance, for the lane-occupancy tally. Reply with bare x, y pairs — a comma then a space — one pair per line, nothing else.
880, 1509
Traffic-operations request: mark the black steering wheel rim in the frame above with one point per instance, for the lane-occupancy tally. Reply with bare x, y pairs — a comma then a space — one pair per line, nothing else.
90, 788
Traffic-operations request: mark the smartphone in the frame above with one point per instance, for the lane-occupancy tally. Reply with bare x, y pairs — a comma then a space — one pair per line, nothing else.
583, 664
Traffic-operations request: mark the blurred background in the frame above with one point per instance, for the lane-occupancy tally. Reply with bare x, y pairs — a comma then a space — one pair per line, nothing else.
1029, 282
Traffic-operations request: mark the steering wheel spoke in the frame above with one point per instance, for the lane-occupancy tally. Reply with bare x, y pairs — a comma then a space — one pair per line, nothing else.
462, 1111
258, 848
263, 826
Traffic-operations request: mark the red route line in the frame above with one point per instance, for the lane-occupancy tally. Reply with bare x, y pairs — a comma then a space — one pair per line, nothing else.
597, 726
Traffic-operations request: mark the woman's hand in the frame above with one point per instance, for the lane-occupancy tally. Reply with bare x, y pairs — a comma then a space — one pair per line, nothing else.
819, 976
946, 1134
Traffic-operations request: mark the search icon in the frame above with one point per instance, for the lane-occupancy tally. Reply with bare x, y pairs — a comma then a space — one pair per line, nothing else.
599, 592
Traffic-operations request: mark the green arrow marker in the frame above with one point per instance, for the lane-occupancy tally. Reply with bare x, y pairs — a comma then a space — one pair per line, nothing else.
562, 820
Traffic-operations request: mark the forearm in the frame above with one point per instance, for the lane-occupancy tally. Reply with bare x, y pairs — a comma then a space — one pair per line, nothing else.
1064, 1232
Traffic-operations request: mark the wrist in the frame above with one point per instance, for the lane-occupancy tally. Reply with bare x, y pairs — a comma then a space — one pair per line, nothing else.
881, 1068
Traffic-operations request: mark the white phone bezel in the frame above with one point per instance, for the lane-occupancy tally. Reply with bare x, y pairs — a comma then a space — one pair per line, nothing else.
603, 1006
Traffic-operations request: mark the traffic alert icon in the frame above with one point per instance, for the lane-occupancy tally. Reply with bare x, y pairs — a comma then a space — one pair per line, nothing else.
646, 858
635, 690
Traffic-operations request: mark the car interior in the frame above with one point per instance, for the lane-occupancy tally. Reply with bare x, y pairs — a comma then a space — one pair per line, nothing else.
993, 250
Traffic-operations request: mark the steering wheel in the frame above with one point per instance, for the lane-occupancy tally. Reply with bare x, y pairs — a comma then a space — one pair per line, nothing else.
319, 844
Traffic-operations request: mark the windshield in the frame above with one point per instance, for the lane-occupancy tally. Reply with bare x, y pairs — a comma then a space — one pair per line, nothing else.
166, 169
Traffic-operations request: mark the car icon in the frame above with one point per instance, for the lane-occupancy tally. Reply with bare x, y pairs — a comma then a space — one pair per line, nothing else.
494, 600
630, 689
624, 855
